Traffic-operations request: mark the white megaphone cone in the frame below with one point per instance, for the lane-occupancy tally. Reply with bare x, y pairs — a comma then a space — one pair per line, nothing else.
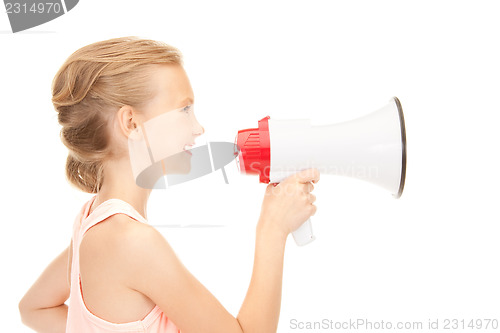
371, 148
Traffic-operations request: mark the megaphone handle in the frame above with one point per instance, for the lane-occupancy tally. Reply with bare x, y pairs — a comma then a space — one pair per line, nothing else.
304, 234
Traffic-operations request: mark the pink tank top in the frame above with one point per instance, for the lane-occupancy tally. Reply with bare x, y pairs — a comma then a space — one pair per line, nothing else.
80, 319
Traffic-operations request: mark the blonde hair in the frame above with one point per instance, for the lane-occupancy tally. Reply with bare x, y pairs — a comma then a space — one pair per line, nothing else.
95, 81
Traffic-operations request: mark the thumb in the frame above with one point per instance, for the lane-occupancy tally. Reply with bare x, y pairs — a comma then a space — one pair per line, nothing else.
306, 176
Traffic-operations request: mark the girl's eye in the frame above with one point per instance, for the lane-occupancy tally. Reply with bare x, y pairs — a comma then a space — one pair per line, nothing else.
187, 108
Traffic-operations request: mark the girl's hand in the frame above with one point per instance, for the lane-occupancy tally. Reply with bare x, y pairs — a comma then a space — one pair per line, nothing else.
289, 204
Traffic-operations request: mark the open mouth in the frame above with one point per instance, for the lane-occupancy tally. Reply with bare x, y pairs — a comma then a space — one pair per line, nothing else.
187, 148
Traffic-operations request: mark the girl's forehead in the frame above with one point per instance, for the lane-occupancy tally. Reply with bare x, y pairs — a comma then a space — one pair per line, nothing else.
172, 83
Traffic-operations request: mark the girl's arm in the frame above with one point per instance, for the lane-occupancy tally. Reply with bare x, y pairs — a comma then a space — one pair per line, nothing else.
43, 308
157, 272
261, 307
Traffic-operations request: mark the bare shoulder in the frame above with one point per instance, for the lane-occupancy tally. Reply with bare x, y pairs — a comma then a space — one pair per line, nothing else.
127, 240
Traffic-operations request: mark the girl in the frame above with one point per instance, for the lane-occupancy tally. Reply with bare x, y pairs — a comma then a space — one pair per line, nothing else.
119, 273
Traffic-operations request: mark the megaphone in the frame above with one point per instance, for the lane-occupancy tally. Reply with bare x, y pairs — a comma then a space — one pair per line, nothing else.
371, 148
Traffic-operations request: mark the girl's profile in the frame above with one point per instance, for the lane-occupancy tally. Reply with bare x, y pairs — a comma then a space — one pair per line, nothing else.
118, 273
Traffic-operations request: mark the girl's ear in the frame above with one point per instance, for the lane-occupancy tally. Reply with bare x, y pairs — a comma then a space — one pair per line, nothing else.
128, 119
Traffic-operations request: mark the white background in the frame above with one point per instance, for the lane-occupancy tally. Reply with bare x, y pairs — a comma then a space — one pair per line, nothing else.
431, 254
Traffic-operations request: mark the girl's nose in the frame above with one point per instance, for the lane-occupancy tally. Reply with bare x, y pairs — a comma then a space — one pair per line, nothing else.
198, 129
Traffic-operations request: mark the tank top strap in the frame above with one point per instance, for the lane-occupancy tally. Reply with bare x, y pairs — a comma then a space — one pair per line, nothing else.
106, 209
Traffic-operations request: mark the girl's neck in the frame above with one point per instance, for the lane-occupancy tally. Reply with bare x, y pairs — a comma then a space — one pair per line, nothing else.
119, 183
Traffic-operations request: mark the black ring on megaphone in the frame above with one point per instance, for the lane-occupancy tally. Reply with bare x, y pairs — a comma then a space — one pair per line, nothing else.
403, 146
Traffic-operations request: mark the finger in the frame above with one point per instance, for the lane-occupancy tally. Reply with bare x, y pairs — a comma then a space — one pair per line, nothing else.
308, 187
307, 175
270, 188
313, 209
